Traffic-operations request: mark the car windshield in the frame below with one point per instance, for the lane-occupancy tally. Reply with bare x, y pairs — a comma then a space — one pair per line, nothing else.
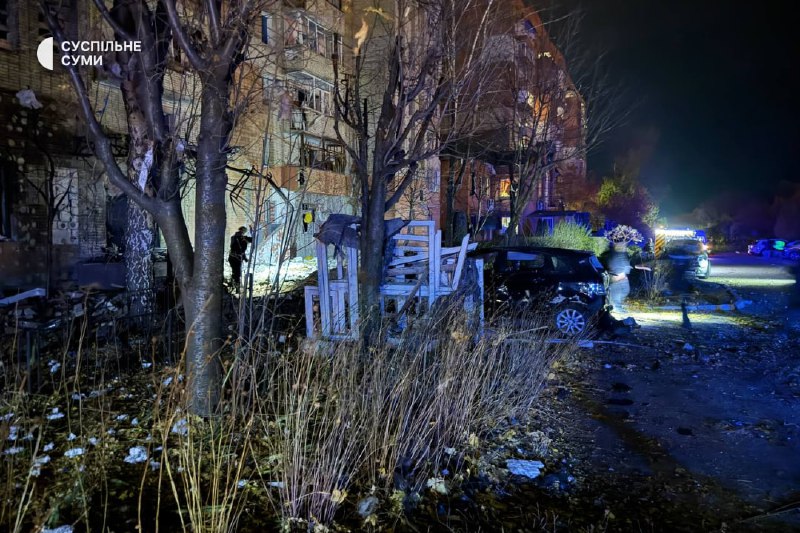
685, 246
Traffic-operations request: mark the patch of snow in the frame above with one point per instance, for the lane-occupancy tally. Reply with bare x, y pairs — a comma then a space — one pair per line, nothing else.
525, 468
74, 452
14, 450
137, 454
55, 414
54, 366
146, 364
181, 427
49, 446
12, 432
155, 465
122, 418
40, 461
93, 441
71, 437
59, 529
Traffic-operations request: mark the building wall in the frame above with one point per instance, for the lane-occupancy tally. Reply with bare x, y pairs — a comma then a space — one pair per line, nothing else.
526, 91
28, 139
281, 91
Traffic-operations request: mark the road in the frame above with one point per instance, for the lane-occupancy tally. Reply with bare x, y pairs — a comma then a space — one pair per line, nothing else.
695, 429
767, 282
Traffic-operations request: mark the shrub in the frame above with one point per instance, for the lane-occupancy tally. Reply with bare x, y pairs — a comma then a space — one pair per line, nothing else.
570, 236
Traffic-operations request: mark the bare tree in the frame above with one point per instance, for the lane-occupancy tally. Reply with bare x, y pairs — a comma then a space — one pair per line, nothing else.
212, 36
535, 119
406, 85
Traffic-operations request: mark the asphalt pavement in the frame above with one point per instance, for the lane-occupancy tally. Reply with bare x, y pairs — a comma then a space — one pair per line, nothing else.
705, 420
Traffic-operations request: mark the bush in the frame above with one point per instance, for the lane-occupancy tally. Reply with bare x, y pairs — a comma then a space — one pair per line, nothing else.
391, 416
572, 237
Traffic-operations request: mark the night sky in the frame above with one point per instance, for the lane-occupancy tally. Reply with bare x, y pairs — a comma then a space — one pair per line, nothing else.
718, 81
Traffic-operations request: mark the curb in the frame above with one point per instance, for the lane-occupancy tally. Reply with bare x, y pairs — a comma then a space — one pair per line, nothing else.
737, 305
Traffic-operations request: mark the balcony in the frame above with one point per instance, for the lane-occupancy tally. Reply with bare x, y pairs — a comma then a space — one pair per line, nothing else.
314, 180
301, 58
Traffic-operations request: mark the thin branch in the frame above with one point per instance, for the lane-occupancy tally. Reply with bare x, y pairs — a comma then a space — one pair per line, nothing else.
183, 39
109, 18
213, 18
401, 189
102, 144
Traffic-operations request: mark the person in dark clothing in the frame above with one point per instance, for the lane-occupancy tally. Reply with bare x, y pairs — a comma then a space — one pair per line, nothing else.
237, 254
619, 267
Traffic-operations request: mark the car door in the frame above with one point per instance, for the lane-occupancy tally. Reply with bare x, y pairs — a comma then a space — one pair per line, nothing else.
526, 275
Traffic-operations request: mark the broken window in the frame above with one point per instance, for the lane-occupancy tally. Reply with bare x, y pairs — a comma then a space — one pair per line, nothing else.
312, 92
317, 153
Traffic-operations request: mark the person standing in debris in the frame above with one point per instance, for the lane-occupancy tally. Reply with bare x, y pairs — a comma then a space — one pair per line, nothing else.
618, 264
237, 254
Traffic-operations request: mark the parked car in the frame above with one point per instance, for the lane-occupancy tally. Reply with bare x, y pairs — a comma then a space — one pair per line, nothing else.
688, 256
767, 247
570, 284
792, 250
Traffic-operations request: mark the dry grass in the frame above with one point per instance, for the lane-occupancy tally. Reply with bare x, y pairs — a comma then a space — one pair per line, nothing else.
348, 416
298, 434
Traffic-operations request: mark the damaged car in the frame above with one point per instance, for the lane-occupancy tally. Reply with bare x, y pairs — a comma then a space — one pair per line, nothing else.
570, 285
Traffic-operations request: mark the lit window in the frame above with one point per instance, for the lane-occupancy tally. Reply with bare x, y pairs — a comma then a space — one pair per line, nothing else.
505, 188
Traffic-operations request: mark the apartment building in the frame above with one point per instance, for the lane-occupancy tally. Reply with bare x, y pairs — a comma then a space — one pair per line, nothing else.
301, 150
529, 137
288, 169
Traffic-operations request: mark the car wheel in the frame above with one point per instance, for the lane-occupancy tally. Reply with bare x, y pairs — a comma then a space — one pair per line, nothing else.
571, 320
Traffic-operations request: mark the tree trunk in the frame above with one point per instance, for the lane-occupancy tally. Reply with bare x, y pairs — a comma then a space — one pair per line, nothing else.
139, 240
139, 234
372, 260
203, 303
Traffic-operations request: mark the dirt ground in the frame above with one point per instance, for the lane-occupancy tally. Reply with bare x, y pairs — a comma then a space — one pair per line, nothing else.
670, 428
694, 428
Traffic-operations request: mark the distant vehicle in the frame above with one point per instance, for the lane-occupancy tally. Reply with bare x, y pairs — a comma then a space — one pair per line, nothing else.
571, 283
688, 256
767, 247
664, 235
792, 250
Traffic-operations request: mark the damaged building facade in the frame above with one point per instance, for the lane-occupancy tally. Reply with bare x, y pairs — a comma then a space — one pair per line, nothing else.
287, 169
